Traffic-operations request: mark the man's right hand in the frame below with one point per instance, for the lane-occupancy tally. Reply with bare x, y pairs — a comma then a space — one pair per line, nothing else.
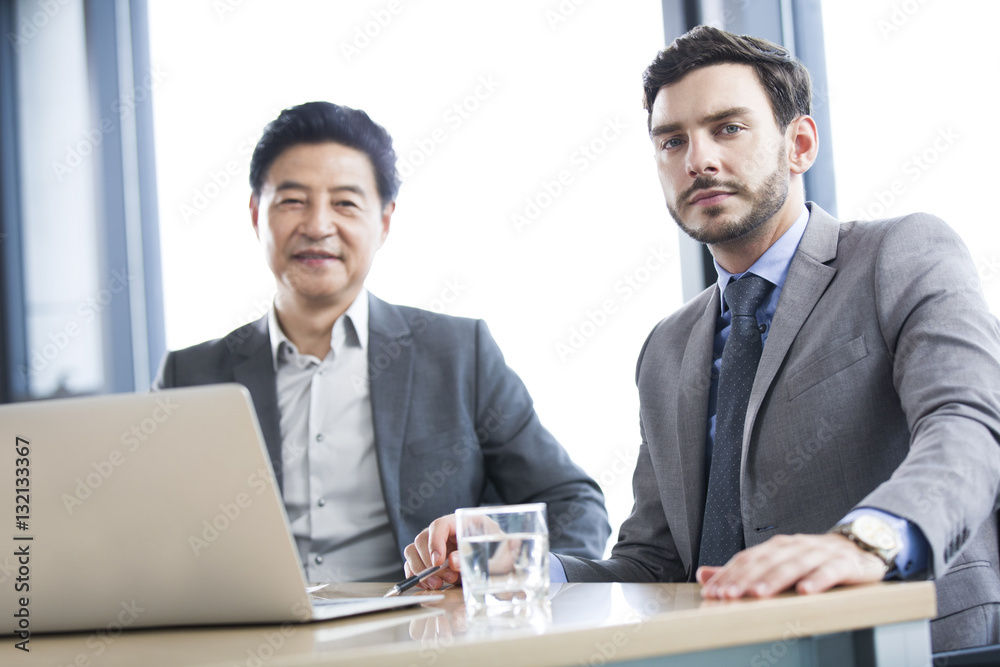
435, 544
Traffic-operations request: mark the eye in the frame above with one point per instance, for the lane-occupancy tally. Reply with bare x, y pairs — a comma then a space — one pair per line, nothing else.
291, 201
672, 142
347, 203
731, 129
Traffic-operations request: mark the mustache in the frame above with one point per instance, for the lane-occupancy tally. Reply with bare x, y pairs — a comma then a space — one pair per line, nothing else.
707, 183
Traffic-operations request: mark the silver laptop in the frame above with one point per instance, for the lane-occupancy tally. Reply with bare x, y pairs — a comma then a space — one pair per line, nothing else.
145, 510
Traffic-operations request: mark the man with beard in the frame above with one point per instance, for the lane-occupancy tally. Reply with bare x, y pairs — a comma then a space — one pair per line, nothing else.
829, 412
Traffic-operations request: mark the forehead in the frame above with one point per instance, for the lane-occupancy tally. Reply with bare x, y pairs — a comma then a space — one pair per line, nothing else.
709, 90
322, 165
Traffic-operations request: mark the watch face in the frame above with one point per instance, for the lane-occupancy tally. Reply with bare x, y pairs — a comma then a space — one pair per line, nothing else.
876, 532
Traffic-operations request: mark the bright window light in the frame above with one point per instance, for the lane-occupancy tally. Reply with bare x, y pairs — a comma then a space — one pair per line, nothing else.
529, 199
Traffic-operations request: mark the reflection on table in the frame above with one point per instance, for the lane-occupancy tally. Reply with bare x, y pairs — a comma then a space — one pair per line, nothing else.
581, 624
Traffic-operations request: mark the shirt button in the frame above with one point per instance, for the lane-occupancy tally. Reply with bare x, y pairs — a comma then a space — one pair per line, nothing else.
321, 502
319, 437
319, 560
321, 371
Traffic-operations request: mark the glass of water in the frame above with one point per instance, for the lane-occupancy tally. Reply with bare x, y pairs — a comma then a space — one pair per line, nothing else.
504, 553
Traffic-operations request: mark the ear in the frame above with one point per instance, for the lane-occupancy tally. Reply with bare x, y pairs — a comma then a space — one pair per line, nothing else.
803, 144
386, 218
254, 212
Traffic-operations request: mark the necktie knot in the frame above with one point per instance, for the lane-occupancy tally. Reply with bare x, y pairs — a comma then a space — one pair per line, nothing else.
745, 296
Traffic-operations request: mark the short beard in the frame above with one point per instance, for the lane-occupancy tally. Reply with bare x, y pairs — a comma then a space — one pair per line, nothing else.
765, 203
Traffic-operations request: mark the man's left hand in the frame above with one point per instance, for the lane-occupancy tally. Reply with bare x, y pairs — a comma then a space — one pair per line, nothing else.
809, 563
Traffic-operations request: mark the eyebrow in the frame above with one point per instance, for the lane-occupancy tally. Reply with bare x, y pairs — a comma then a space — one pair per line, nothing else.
295, 185
706, 120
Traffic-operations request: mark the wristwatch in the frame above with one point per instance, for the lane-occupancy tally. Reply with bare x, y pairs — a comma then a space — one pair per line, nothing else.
874, 535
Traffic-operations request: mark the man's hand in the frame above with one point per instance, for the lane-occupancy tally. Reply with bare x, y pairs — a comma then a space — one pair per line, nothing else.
434, 545
809, 563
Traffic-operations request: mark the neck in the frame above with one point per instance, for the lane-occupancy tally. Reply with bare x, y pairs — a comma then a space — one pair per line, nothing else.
309, 324
738, 255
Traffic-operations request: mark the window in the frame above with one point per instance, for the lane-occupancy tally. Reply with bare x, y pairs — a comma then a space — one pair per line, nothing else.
529, 195
908, 83
58, 169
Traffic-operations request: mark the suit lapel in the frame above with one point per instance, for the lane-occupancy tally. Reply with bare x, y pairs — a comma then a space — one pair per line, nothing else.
692, 417
807, 279
390, 361
254, 369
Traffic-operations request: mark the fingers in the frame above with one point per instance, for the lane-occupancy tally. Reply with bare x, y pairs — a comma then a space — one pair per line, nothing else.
854, 567
441, 538
442, 542
807, 563
416, 554
706, 572
433, 545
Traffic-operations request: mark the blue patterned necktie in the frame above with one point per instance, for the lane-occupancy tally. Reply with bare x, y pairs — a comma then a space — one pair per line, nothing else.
722, 529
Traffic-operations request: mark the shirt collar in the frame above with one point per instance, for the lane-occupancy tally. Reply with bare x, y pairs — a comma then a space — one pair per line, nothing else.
773, 265
355, 319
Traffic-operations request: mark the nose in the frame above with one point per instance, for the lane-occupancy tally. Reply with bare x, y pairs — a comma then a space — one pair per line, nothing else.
319, 223
702, 157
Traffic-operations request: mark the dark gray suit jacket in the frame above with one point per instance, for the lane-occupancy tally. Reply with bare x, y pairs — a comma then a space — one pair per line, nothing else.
454, 425
879, 386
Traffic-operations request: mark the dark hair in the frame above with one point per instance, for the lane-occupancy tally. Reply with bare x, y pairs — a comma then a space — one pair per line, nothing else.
319, 122
784, 78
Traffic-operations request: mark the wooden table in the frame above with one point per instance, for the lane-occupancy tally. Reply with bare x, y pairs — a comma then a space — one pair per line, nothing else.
635, 624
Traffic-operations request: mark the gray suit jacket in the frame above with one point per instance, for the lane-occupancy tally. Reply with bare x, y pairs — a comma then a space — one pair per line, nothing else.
879, 386
454, 425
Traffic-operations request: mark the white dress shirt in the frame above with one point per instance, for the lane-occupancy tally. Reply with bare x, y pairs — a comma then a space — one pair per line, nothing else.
332, 490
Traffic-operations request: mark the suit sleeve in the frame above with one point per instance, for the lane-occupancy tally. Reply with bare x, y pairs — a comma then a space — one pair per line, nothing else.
645, 551
945, 347
526, 464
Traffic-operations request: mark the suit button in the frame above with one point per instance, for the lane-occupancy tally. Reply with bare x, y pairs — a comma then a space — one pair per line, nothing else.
319, 437
319, 560
321, 502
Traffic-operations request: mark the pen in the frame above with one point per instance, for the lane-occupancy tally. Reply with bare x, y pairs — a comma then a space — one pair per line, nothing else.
407, 584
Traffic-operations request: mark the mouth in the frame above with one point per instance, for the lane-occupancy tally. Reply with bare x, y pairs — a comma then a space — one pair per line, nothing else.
315, 257
709, 197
